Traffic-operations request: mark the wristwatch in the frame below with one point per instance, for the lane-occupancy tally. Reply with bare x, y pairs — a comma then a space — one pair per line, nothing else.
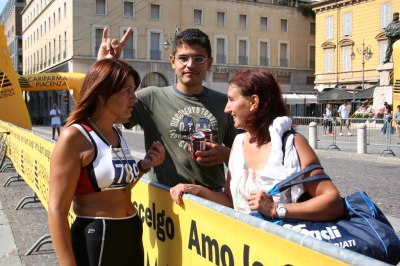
144, 171
281, 210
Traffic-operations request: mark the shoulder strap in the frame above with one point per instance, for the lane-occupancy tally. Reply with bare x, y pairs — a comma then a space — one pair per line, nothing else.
284, 184
285, 136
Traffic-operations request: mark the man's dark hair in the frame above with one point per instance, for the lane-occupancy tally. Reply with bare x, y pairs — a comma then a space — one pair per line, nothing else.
192, 36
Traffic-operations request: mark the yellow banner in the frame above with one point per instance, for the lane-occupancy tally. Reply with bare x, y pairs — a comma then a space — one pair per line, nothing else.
396, 76
197, 235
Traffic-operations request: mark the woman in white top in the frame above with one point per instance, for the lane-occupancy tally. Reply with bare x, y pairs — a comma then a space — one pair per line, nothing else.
257, 163
327, 120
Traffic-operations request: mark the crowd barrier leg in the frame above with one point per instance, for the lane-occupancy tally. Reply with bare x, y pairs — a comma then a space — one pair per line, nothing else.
46, 239
32, 199
333, 146
13, 178
387, 149
6, 166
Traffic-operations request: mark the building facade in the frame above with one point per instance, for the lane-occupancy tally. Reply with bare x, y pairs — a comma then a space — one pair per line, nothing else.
10, 18
351, 45
64, 36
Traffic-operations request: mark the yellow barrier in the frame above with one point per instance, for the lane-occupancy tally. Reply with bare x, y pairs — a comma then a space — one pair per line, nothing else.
396, 76
200, 233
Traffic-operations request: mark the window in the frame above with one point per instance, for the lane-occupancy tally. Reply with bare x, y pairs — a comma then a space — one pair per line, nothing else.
385, 15
101, 7
311, 63
347, 24
155, 51
346, 59
312, 28
382, 52
54, 19
329, 28
221, 56
49, 60
243, 58
197, 16
283, 55
59, 48
284, 25
329, 61
98, 39
310, 80
129, 51
59, 15
221, 19
129, 11
264, 23
242, 21
54, 50
65, 44
155, 12
65, 10
283, 80
49, 24
221, 77
45, 27
264, 54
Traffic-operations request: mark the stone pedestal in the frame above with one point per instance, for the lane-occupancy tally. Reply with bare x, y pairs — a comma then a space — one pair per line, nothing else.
384, 92
384, 73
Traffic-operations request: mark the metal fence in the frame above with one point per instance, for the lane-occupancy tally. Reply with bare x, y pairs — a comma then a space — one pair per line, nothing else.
334, 135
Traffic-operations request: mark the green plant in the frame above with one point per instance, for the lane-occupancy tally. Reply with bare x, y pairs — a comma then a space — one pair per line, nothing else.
306, 10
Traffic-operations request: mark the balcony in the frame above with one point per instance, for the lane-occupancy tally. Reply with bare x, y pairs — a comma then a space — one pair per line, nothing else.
264, 61
221, 59
283, 62
155, 55
129, 53
243, 60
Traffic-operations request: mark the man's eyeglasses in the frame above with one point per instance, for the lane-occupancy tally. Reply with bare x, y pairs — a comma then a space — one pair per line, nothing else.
195, 59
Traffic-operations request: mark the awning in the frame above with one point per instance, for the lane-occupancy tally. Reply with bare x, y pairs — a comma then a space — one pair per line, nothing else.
294, 98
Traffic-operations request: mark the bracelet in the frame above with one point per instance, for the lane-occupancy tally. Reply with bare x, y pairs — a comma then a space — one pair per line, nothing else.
144, 171
273, 214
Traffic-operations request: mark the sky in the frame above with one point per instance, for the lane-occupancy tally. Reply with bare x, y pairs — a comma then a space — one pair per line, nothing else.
2, 4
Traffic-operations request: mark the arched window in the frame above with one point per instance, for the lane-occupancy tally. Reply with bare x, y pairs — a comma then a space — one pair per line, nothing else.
154, 79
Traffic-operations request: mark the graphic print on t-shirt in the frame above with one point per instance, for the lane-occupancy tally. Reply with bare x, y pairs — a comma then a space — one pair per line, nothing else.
190, 120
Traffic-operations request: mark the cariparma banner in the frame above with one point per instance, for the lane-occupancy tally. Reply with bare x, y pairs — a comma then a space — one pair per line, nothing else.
12, 105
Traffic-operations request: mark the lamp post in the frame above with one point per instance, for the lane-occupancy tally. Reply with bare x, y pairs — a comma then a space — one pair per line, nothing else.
166, 44
366, 55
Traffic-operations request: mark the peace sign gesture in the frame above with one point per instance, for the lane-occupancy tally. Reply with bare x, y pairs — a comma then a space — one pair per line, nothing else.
110, 48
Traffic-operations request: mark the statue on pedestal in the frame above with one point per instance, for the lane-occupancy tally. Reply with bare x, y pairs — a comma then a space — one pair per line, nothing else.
393, 33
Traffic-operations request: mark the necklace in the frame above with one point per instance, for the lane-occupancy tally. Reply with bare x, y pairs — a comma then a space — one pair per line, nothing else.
97, 130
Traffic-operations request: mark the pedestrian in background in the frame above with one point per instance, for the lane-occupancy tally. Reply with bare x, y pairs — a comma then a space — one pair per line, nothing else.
388, 121
327, 120
343, 112
55, 120
397, 120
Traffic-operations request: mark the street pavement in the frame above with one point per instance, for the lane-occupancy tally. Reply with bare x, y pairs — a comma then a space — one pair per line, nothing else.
20, 229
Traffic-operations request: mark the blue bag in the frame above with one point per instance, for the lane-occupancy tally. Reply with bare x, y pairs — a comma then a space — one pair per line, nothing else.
363, 228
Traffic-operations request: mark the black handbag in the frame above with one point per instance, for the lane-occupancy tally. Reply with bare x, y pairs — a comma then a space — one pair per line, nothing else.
363, 228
